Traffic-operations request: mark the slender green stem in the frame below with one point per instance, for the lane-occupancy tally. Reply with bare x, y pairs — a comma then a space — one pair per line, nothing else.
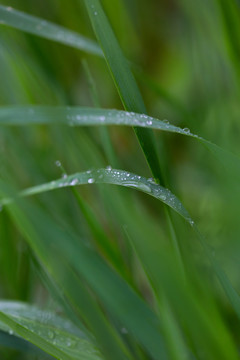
127, 88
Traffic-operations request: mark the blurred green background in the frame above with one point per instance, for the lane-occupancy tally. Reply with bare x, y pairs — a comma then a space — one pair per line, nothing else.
186, 62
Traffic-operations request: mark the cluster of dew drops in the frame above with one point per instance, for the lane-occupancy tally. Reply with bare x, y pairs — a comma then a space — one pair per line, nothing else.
120, 177
116, 117
57, 339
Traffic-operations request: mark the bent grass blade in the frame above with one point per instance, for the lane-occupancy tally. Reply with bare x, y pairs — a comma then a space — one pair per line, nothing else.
114, 177
126, 179
76, 116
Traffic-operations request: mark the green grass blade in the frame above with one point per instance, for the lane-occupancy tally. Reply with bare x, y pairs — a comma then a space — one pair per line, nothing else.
124, 80
81, 116
231, 293
16, 343
82, 302
201, 310
231, 21
177, 347
123, 178
72, 288
49, 241
115, 177
40, 27
84, 116
117, 63
167, 281
104, 133
46, 331
103, 241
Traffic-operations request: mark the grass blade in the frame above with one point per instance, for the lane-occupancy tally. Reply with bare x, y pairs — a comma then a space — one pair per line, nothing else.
16, 343
51, 242
81, 116
124, 80
72, 289
40, 27
123, 178
231, 20
117, 63
55, 336
115, 177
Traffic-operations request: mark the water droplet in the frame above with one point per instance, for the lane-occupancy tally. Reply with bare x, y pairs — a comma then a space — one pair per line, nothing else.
58, 163
144, 188
91, 181
95, 13
186, 130
9, 8
50, 334
152, 181
69, 342
109, 168
10, 332
124, 330
149, 122
73, 182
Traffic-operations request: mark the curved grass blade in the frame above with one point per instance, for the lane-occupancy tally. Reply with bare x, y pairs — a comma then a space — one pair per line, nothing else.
76, 116
81, 116
115, 177
123, 178
54, 335
40, 27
